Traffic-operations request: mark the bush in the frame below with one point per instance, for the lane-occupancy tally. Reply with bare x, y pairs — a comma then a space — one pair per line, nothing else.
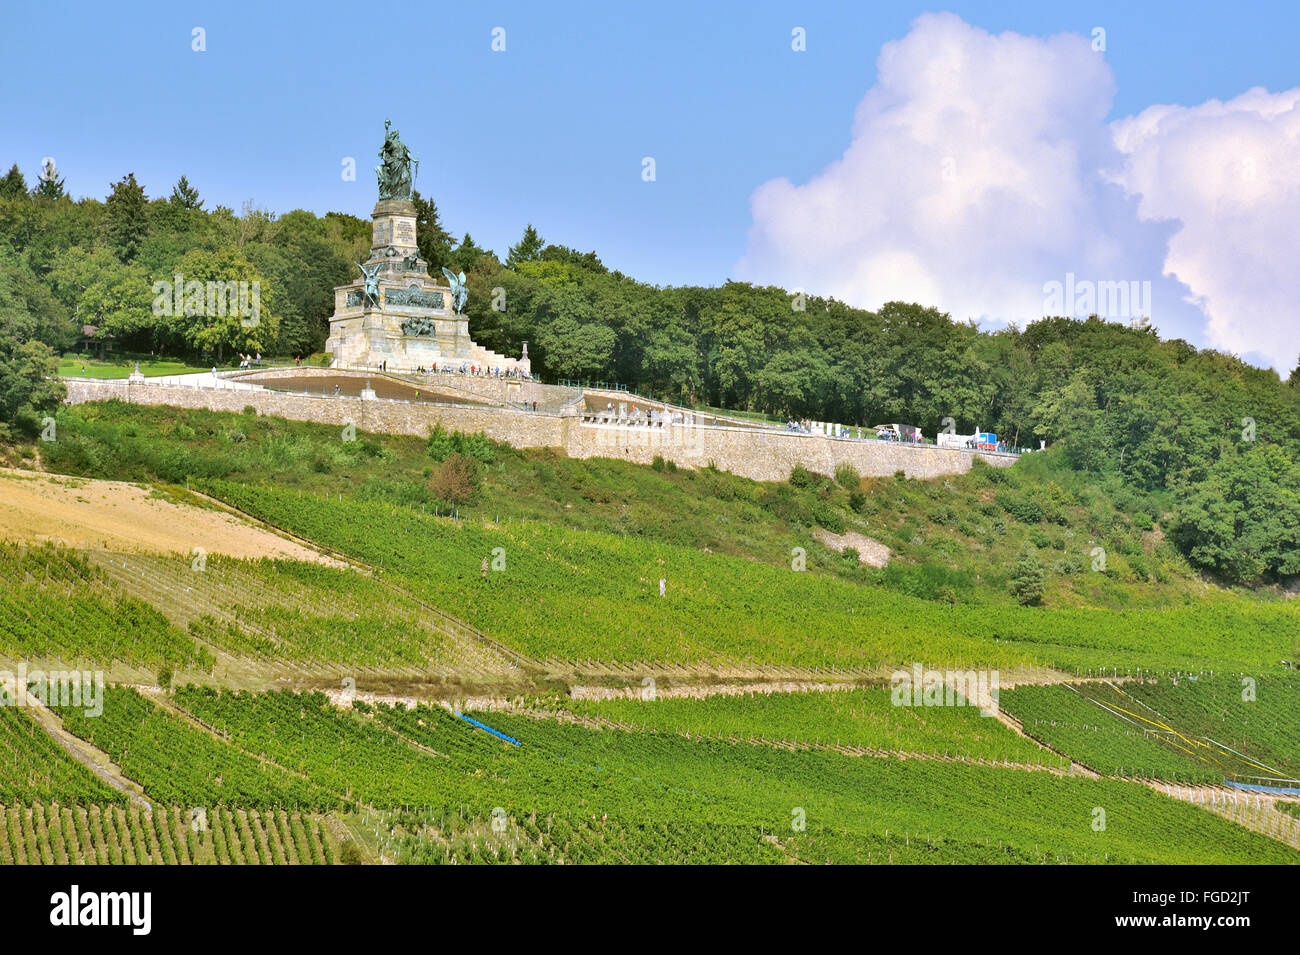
1028, 580
658, 463
1022, 508
862, 504
350, 853
442, 444
671, 466
847, 476
456, 481
801, 477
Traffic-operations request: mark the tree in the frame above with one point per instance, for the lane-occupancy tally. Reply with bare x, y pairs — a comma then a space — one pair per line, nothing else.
433, 241
562, 253
456, 480
467, 254
29, 385
13, 185
101, 291
184, 195
127, 221
49, 186
244, 316
1243, 520
1027, 578
528, 249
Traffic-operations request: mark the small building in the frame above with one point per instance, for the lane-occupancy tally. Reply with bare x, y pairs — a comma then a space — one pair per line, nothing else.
90, 338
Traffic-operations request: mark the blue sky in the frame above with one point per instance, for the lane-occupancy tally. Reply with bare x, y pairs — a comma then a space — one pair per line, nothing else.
553, 130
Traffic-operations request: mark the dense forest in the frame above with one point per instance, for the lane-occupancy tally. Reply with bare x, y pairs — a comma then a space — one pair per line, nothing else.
1213, 438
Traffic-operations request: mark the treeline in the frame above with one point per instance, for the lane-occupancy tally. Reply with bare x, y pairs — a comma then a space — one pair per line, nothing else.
1213, 435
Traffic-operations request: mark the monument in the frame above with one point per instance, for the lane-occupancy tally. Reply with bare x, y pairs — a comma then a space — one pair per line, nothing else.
396, 316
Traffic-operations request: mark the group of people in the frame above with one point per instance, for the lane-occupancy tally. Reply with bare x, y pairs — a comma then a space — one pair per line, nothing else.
247, 361
481, 371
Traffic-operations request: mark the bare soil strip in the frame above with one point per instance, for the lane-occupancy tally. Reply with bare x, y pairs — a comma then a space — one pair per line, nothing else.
115, 515
93, 758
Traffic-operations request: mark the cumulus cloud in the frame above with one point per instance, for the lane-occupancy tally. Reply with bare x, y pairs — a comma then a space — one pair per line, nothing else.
1229, 175
982, 167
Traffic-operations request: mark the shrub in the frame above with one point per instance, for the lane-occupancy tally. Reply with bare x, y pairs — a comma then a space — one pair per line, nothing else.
1022, 508
456, 481
847, 476
1028, 579
671, 465
658, 463
350, 853
803, 478
442, 444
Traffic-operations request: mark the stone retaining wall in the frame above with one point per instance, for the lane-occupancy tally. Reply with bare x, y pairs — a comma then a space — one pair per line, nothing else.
759, 454
767, 454
519, 428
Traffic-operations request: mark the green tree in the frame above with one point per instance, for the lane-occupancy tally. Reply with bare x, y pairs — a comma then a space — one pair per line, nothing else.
29, 386
528, 249
434, 242
211, 323
184, 195
1243, 520
1027, 577
49, 187
127, 221
467, 255
13, 185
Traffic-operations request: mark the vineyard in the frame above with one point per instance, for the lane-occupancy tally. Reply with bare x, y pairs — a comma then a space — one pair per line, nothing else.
33, 767
429, 786
1189, 730
573, 595
292, 617
54, 834
55, 604
863, 720
178, 762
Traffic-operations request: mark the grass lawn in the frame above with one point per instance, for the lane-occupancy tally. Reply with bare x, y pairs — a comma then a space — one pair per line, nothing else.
73, 365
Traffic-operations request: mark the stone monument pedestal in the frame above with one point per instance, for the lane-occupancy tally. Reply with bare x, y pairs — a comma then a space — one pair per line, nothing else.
408, 322
397, 317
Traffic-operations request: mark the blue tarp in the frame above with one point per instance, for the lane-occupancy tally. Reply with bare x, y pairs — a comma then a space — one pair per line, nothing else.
489, 729
1271, 790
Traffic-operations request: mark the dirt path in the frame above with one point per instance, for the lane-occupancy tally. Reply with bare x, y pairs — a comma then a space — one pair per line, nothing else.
94, 759
118, 516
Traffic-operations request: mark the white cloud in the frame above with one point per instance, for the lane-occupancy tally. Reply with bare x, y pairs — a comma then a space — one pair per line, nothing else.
982, 166
1229, 175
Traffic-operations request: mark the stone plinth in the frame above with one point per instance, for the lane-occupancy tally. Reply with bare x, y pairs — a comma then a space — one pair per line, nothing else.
413, 324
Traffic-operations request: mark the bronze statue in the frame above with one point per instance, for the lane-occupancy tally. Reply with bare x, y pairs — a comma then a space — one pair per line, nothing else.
459, 290
371, 291
398, 168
